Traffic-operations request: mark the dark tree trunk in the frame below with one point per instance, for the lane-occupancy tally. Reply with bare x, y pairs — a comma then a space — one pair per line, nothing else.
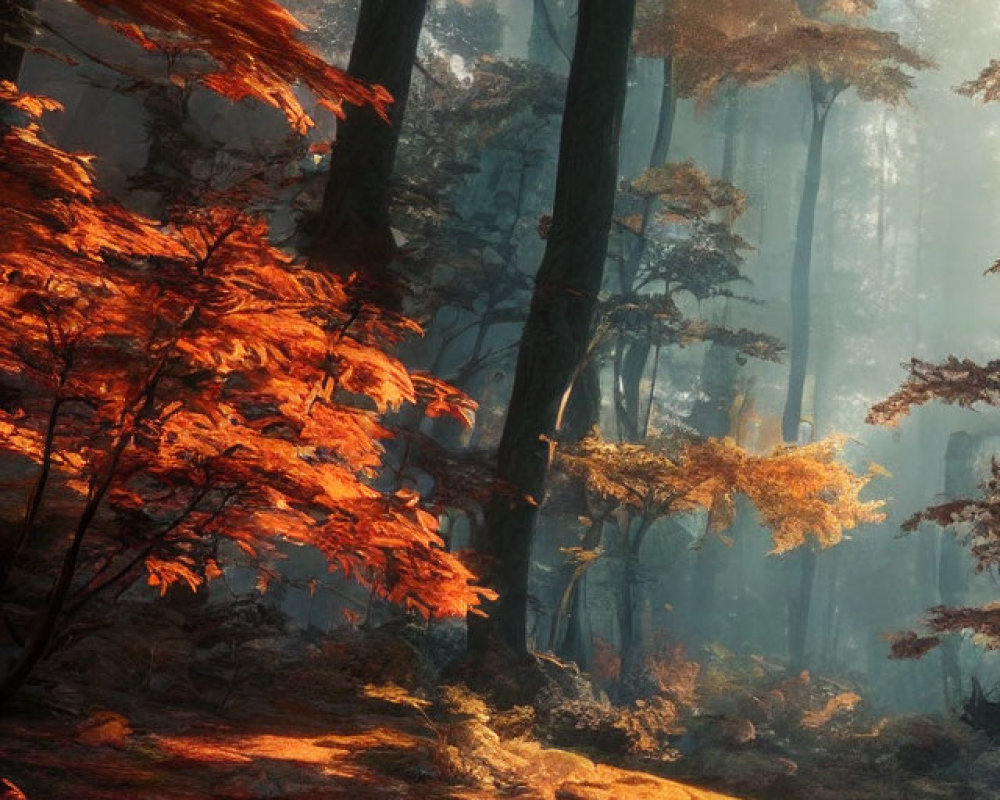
953, 562
800, 601
352, 230
559, 325
631, 648
14, 32
572, 645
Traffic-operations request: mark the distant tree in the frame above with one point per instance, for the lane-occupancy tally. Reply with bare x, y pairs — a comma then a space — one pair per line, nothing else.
700, 257
753, 42
799, 492
976, 521
559, 324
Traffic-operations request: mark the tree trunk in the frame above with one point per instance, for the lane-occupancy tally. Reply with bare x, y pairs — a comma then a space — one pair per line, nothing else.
544, 43
636, 354
798, 609
571, 645
631, 648
953, 562
14, 31
801, 265
559, 325
822, 96
353, 230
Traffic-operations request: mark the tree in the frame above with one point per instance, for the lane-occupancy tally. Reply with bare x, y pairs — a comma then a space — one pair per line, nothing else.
352, 228
749, 43
178, 386
704, 261
559, 324
799, 492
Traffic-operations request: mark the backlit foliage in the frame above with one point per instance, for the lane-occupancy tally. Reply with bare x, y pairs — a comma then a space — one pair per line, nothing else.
954, 381
11, 791
976, 522
752, 41
192, 382
817, 718
849, 8
909, 645
692, 254
688, 192
986, 85
256, 47
798, 491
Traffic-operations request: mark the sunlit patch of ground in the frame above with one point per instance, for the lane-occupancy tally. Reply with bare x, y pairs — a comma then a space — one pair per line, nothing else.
170, 755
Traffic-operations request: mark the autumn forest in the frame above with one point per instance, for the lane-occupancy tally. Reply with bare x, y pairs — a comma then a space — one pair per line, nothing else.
499, 398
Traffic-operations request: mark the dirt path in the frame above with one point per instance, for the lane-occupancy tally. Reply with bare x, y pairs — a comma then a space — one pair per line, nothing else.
180, 755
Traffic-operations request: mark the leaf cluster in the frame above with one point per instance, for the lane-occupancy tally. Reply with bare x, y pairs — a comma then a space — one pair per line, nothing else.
687, 192
954, 381
257, 49
986, 85
194, 382
753, 42
798, 491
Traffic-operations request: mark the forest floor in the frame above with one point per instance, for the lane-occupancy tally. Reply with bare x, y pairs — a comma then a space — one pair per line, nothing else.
219, 705
296, 752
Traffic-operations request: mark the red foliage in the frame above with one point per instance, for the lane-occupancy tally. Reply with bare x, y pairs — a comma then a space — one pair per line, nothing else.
202, 384
255, 45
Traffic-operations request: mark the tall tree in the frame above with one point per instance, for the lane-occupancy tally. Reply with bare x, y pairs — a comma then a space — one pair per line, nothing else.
353, 225
825, 86
752, 42
558, 329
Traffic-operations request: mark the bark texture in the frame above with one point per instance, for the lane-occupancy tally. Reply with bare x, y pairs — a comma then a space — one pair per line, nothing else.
558, 328
353, 226
822, 94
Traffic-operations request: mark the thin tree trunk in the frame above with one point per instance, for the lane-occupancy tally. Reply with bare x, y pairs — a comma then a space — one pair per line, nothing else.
801, 266
633, 360
353, 226
14, 35
630, 649
572, 646
560, 320
798, 610
544, 44
822, 96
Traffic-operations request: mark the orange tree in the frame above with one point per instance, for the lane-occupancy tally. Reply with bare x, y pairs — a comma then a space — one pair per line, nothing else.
799, 492
178, 384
